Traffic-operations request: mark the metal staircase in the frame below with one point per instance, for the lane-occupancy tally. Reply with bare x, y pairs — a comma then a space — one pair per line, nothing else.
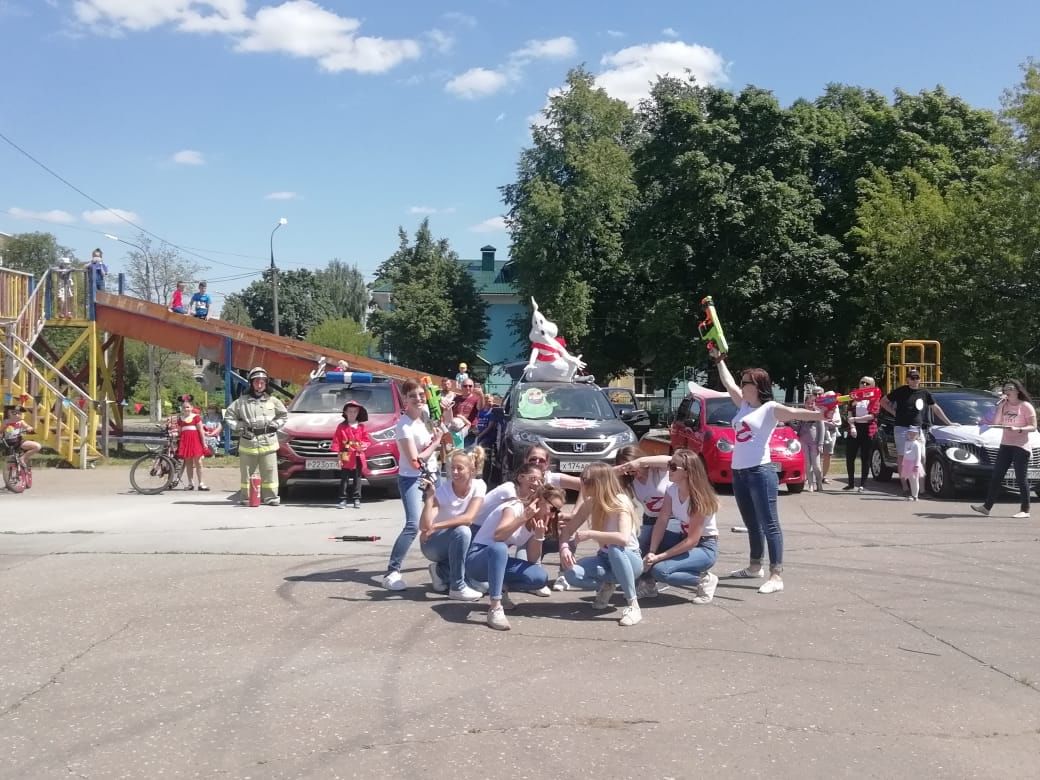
62, 413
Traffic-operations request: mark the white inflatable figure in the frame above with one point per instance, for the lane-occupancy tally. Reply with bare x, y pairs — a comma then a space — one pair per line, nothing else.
550, 361
320, 370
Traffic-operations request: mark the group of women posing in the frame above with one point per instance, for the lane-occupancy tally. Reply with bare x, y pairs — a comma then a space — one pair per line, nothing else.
469, 532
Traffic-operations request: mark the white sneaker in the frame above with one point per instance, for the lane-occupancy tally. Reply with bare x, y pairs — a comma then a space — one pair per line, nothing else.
466, 594
646, 589
496, 619
543, 591
860, 489
630, 616
603, 596
706, 589
772, 586
394, 581
440, 585
507, 603
1021, 515
748, 574
273, 501
561, 583
980, 509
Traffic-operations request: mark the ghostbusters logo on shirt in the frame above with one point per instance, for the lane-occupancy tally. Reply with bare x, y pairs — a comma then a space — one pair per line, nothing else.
744, 433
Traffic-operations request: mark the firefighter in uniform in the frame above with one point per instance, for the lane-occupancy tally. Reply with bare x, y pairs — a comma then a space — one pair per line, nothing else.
256, 417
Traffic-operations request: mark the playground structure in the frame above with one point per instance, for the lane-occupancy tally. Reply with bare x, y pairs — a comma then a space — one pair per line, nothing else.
922, 354
75, 393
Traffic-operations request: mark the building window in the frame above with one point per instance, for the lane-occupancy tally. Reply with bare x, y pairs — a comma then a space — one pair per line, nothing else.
643, 382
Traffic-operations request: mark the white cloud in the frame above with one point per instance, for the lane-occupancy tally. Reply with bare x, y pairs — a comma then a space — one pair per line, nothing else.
189, 157
430, 210
631, 72
669, 32
442, 42
550, 49
477, 83
281, 195
57, 216
461, 19
500, 117
492, 225
299, 28
110, 216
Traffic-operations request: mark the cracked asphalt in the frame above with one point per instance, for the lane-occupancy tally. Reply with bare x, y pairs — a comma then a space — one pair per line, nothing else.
181, 636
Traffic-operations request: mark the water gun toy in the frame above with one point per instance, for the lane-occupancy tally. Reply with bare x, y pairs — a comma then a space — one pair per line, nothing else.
710, 330
352, 538
831, 399
433, 397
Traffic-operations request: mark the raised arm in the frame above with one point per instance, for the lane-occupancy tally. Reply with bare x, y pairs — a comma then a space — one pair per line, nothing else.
786, 414
730, 383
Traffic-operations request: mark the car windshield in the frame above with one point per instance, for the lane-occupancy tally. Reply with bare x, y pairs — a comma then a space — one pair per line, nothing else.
326, 398
621, 399
721, 411
966, 409
557, 401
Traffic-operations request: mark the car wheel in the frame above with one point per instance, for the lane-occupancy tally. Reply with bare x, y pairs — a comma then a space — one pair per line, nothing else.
795, 487
938, 479
878, 470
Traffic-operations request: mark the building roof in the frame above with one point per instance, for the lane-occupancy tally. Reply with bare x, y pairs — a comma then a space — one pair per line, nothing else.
487, 282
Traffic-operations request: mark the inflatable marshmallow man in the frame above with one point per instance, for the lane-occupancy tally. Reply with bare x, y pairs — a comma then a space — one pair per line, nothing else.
550, 361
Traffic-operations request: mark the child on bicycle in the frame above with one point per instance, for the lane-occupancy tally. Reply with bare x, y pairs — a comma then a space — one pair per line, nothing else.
15, 429
351, 440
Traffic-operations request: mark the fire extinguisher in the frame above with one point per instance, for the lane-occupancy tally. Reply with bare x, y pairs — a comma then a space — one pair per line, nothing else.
254, 489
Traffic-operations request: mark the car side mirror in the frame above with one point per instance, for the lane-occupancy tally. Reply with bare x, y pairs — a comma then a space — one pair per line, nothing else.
627, 414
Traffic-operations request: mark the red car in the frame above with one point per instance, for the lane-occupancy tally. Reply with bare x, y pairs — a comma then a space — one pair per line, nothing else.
305, 454
703, 424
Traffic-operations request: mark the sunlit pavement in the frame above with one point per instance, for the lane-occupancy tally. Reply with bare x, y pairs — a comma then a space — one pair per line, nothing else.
180, 635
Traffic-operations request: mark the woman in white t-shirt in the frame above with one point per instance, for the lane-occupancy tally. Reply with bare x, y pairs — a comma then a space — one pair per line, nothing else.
684, 543
417, 448
611, 518
444, 530
521, 523
754, 476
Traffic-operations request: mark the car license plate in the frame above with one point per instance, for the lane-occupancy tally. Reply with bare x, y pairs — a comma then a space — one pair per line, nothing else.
572, 466
325, 464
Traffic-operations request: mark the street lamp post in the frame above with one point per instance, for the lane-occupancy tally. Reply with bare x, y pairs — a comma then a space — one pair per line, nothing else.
147, 265
274, 275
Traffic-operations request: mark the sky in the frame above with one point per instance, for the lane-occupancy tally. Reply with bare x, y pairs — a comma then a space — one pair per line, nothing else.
207, 121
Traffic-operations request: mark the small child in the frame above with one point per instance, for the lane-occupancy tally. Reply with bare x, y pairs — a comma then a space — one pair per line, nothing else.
811, 435
191, 443
351, 440
15, 429
66, 289
177, 300
912, 467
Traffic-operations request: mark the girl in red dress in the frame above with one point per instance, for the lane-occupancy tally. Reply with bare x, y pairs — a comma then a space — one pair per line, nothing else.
190, 444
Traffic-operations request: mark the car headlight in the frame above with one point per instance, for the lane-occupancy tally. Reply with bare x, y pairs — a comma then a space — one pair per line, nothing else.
387, 434
626, 437
794, 446
724, 445
961, 455
527, 437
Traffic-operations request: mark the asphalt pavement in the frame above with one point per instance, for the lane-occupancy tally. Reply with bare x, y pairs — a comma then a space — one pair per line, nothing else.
182, 636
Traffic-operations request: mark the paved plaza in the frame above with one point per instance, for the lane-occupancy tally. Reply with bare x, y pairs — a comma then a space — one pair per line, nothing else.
181, 636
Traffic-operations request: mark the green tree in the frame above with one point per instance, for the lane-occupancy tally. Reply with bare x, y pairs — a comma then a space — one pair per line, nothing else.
234, 310
34, 253
436, 315
568, 211
303, 302
347, 290
343, 334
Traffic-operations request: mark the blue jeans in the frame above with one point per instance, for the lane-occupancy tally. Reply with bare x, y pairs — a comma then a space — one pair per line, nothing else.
755, 490
447, 548
491, 563
614, 564
686, 569
670, 538
412, 498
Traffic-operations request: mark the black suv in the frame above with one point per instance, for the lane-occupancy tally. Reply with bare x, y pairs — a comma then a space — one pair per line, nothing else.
957, 457
574, 421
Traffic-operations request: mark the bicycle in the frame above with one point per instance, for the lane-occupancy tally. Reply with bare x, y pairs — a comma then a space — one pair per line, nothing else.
17, 472
158, 470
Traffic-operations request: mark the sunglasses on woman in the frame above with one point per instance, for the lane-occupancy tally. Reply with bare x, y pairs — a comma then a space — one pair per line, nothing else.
675, 467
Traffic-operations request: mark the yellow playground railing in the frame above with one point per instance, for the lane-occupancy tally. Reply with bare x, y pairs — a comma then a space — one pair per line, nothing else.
922, 354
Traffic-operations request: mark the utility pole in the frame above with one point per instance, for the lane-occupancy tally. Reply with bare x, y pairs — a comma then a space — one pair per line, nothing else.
274, 276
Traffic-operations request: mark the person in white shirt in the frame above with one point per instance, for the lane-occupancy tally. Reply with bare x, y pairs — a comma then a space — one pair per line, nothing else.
444, 530
519, 522
755, 482
911, 467
612, 524
684, 543
831, 431
417, 447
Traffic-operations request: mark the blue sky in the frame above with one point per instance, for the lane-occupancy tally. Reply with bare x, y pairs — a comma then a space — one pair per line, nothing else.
207, 121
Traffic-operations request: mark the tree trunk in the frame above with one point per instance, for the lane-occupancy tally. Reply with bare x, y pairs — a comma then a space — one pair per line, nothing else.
153, 386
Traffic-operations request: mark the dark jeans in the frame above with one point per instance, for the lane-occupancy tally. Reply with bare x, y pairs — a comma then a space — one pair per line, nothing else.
755, 490
863, 444
346, 476
1007, 456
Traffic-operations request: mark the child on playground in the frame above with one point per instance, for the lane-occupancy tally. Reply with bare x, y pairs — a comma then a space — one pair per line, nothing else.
911, 468
191, 446
66, 288
351, 440
177, 300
